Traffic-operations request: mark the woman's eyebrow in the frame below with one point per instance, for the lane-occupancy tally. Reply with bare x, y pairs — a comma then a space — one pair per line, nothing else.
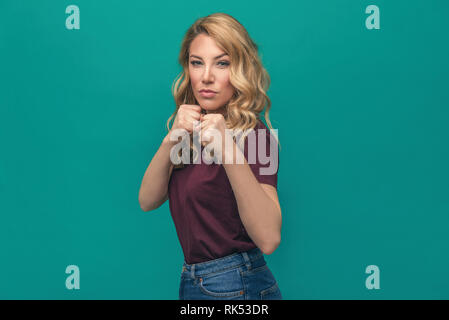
221, 55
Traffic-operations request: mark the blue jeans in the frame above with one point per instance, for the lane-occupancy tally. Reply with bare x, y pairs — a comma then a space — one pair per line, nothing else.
239, 276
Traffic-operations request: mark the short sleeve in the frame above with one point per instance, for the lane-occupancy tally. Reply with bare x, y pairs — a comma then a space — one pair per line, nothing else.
262, 154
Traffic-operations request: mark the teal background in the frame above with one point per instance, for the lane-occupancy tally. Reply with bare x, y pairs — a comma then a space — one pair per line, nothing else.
363, 124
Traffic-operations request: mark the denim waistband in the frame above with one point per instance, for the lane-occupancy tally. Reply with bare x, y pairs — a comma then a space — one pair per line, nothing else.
234, 260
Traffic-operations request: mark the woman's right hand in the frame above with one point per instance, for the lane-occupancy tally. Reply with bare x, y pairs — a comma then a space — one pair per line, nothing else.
154, 188
186, 116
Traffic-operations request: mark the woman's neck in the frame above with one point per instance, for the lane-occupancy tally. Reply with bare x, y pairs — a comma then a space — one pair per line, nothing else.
221, 110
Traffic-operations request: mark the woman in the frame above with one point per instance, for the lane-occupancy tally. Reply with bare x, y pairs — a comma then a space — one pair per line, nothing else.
226, 214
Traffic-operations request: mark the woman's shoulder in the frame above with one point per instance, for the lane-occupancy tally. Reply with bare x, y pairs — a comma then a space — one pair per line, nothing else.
260, 124
270, 134
260, 130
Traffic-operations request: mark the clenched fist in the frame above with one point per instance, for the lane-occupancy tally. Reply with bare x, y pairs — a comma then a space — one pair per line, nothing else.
186, 116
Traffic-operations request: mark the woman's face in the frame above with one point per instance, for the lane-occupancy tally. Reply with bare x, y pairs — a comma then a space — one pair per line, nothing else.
209, 70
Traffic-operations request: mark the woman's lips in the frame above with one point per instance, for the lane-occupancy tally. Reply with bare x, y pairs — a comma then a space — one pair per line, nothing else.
207, 94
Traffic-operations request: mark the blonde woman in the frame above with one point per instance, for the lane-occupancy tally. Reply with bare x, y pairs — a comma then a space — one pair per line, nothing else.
227, 214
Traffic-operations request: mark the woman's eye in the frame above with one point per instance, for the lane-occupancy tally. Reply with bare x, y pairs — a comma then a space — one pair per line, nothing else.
221, 63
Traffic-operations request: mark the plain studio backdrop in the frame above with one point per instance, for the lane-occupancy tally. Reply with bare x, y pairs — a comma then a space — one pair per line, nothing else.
362, 117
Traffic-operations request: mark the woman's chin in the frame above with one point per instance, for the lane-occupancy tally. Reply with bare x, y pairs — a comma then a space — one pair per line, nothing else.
209, 109
211, 106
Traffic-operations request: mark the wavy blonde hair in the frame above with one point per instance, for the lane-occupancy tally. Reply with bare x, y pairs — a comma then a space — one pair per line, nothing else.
247, 74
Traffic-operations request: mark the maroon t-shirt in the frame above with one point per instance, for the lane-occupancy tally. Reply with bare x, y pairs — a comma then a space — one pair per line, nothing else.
204, 208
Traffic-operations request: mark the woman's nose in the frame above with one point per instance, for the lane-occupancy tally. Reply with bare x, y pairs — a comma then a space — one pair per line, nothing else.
207, 75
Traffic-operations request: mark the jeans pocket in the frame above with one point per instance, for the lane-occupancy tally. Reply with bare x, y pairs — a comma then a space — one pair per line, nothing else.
223, 284
262, 283
272, 293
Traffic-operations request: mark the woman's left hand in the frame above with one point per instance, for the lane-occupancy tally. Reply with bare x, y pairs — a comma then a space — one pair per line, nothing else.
213, 126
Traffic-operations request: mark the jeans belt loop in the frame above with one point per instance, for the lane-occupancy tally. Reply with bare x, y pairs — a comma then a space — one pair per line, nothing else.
247, 260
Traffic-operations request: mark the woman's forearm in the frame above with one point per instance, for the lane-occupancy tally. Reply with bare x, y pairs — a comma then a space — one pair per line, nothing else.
154, 187
260, 215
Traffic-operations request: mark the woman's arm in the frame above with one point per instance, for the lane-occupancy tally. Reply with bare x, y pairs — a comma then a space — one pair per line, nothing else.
258, 205
154, 188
